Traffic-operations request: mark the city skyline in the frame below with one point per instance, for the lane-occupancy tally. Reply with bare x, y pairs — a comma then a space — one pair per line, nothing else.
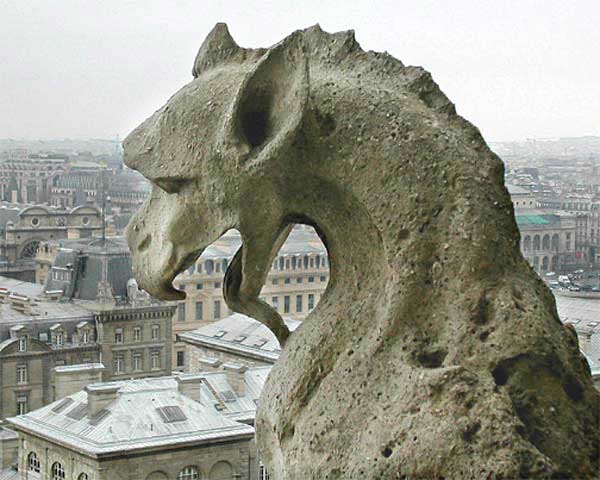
101, 69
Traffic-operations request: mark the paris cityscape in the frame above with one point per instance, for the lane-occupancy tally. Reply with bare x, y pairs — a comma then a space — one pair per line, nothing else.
100, 379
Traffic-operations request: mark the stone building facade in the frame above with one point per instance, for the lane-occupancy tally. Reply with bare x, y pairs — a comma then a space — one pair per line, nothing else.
22, 234
298, 278
188, 427
548, 240
558, 233
29, 178
90, 310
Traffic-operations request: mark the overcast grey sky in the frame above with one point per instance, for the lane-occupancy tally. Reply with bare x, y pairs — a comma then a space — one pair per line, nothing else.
515, 68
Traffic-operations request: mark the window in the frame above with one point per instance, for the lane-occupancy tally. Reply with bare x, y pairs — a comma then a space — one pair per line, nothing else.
33, 462
188, 473
311, 301
118, 335
275, 281
323, 278
275, 302
155, 332
299, 280
180, 359
137, 334
311, 279
182, 286
217, 284
155, 360
59, 339
83, 476
22, 405
209, 266
262, 472
298, 303
287, 280
199, 286
181, 312
286, 304
58, 471
218, 267
119, 364
23, 344
21, 373
85, 337
217, 308
137, 362
199, 310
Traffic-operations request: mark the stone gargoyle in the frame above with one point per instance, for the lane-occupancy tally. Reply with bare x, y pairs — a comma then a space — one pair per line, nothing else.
435, 352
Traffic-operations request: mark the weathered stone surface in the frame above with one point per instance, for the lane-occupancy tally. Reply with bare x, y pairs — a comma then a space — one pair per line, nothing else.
435, 352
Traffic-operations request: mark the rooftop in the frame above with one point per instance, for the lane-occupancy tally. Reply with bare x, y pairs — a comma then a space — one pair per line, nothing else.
241, 334
584, 315
149, 414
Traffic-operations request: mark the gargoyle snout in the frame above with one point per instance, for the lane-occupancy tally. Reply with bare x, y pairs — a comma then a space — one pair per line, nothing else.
139, 147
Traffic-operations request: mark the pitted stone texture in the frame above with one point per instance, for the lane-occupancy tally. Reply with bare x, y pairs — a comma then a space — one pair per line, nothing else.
435, 352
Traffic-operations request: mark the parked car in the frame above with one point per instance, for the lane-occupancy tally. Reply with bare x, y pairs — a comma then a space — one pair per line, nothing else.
564, 279
574, 288
550, 274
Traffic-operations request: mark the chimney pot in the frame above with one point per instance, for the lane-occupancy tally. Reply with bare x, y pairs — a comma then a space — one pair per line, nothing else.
99, 396
236, 376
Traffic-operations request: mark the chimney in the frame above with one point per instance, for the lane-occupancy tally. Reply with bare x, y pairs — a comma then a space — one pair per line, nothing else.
189, 385
99, 396
585, 340
69, 379
209, 364
236, 377
20, 303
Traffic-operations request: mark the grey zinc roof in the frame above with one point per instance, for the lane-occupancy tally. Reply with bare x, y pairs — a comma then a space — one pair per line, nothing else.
9, 473
578, 310
239, 408
584, 315
240, 333
133, 421
96, 255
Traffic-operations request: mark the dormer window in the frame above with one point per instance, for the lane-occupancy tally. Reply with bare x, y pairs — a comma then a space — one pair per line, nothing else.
23, 344
85, 337
59, 338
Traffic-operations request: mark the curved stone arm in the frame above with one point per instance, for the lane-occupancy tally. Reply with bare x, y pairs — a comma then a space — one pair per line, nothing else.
246, 276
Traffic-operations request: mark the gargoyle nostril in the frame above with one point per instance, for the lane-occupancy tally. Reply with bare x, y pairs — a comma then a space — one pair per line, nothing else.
145, 243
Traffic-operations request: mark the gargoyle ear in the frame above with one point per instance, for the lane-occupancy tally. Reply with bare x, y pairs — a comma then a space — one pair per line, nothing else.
270, 104
218, 47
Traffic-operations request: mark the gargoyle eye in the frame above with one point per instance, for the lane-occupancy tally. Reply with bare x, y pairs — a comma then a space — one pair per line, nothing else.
170, 185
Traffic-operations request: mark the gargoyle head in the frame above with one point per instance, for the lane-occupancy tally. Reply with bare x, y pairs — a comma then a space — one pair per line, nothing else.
207, 150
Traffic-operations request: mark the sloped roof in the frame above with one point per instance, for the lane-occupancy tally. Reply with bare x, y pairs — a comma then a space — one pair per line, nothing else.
531, 220
241, 334
133, 421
